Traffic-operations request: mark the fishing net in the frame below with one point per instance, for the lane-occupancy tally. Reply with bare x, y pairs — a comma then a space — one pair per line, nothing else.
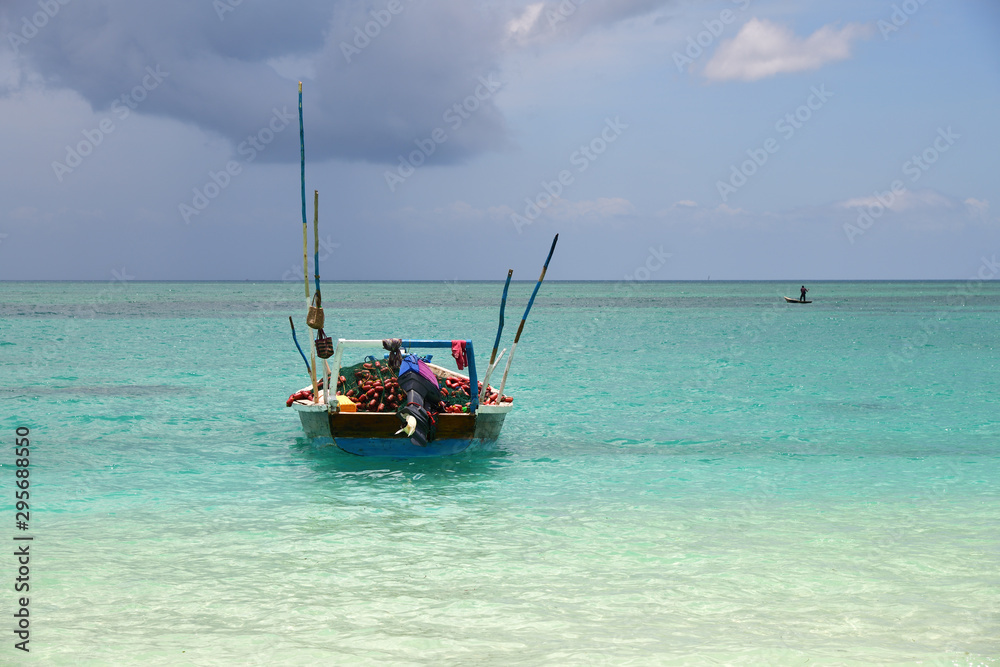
374, 387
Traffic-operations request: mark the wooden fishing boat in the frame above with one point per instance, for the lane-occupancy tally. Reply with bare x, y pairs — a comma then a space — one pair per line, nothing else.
791, 300
379, 433
403, 412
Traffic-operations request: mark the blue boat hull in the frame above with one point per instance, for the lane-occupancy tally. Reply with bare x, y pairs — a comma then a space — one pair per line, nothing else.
374, 434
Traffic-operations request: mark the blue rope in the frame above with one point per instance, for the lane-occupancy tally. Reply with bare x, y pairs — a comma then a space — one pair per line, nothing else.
308, 370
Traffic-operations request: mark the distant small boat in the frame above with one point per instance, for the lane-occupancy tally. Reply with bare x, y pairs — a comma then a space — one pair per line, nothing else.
791, 300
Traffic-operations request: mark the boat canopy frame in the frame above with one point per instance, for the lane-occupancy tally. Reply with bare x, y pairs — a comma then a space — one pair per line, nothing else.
407, 345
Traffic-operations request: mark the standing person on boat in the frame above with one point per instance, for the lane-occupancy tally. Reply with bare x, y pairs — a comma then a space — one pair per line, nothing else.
802, 293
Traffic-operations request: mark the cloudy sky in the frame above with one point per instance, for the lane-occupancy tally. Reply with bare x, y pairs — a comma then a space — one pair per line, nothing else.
450, 139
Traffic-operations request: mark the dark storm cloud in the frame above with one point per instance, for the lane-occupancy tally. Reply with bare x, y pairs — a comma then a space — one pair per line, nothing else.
399, 87
371, 96
393, 91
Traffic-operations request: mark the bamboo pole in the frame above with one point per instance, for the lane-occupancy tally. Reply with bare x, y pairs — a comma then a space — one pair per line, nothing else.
326, 376
305, 226
329, 395
312, 369
545, 267
489, 373
496, 343
305, 245
316, 238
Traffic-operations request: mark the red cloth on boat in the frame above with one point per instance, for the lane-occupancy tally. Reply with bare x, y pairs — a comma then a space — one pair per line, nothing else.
458, 351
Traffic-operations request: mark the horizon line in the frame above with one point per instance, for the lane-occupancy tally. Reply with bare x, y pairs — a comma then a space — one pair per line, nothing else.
498, 280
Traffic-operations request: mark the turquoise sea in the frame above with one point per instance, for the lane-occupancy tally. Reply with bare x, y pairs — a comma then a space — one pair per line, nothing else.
693, 474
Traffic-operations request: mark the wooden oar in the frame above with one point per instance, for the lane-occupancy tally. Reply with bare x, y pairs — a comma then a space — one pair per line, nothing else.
503, 382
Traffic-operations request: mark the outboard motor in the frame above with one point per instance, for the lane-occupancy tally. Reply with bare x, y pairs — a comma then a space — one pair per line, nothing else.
423, 395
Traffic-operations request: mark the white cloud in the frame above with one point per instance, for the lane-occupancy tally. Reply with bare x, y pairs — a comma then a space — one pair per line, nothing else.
24, 214
294, 67
687, 214
601, 208
682, 206
906, 200
462, 212
762, 49
458, 211
561, 210
521, 26
729, 210
977, 208
566, 20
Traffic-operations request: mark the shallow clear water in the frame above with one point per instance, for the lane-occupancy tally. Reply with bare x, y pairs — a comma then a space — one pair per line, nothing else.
694, 473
